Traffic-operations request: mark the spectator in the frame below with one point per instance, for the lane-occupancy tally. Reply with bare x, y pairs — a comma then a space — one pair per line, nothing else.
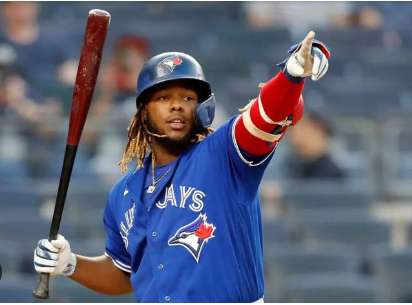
11, 144
307, 158
118, 81
394, 18
20, 109
299, 15
16, 98
116, 100
30, 143
311, 158
41, 57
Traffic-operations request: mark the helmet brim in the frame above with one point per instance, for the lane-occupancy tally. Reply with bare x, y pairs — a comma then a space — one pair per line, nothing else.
204, 91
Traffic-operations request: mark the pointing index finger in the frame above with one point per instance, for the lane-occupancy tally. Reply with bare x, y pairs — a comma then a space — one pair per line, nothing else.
307, 43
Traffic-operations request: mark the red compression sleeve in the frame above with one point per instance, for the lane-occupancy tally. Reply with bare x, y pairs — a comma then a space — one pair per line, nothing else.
280, 98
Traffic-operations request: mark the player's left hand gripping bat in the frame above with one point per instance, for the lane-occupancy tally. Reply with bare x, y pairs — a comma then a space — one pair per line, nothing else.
89, 64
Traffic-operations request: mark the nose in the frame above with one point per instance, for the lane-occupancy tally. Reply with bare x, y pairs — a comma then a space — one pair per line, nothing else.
176, 105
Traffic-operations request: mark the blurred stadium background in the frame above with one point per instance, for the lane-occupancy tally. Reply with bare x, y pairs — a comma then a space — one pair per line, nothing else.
336, 199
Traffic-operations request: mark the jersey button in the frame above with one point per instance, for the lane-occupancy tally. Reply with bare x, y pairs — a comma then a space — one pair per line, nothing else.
167, 298
160, 266
154, 234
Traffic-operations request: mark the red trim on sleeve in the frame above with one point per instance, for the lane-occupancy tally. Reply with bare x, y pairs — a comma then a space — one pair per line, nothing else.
280, 97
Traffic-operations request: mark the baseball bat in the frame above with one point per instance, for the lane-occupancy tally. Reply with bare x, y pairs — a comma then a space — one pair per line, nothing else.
94, 38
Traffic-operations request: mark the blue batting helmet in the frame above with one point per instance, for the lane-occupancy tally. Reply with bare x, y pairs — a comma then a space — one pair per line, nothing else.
173, 66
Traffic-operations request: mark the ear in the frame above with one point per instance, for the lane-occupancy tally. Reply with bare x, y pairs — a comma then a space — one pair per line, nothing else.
144, 113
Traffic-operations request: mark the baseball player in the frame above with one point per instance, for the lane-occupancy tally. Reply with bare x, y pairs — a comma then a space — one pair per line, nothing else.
184, 224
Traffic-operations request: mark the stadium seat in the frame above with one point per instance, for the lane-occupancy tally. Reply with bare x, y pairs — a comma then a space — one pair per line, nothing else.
315, 195
386, 58
10, 256
234, 37
403, 166
346, 40
18, 197
283, 260
88, 247
64, 290
332, 288
12, 171
358, 230
85, 200
240, 92
15, 288
370, 97
393, 268
299, 218
87, 224
16, 211
273, 231
370, 104
28, 228
229, 65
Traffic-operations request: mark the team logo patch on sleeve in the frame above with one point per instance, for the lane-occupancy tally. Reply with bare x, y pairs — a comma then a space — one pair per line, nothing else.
193, 236
171, 62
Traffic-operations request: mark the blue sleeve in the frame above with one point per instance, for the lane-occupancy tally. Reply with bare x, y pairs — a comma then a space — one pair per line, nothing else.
115, 247
244, 173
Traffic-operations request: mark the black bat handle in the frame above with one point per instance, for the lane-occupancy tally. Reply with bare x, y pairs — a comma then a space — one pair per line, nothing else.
42, 289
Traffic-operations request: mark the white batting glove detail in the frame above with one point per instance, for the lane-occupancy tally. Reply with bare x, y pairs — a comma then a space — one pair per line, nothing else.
308, 60
55, 257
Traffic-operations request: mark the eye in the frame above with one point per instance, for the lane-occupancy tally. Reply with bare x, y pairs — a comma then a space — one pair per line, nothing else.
162, 97
189, 98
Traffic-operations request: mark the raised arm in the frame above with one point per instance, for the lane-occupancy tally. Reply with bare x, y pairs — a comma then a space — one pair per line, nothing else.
280, 104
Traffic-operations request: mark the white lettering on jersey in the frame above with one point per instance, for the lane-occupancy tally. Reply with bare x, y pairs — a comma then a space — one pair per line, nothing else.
129, 218
196, 206
162, 205
171, 196
184, 195
199, 203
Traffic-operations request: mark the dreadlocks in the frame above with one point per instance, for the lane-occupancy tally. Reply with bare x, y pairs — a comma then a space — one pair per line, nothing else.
139, 143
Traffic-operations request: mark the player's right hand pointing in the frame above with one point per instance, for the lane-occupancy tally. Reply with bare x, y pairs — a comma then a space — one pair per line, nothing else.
308, 58
55, 257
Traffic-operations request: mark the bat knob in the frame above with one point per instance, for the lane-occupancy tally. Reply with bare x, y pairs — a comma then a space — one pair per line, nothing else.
42, 289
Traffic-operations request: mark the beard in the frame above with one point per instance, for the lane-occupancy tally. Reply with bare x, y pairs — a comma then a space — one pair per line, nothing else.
168, 142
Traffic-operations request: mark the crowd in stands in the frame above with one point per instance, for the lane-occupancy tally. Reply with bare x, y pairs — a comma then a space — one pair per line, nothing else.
38, 66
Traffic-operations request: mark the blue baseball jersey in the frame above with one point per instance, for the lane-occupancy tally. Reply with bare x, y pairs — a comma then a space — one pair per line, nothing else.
198, 236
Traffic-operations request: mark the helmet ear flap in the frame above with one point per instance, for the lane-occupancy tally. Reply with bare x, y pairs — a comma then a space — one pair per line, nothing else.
204, 113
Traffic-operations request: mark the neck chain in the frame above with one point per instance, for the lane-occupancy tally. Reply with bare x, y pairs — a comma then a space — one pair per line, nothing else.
152, 188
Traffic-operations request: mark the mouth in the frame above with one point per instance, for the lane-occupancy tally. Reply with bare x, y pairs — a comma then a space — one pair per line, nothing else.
177, 123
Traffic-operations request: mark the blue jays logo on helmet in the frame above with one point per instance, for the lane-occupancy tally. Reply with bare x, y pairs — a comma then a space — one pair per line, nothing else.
193, 236
175, 66
171, 62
